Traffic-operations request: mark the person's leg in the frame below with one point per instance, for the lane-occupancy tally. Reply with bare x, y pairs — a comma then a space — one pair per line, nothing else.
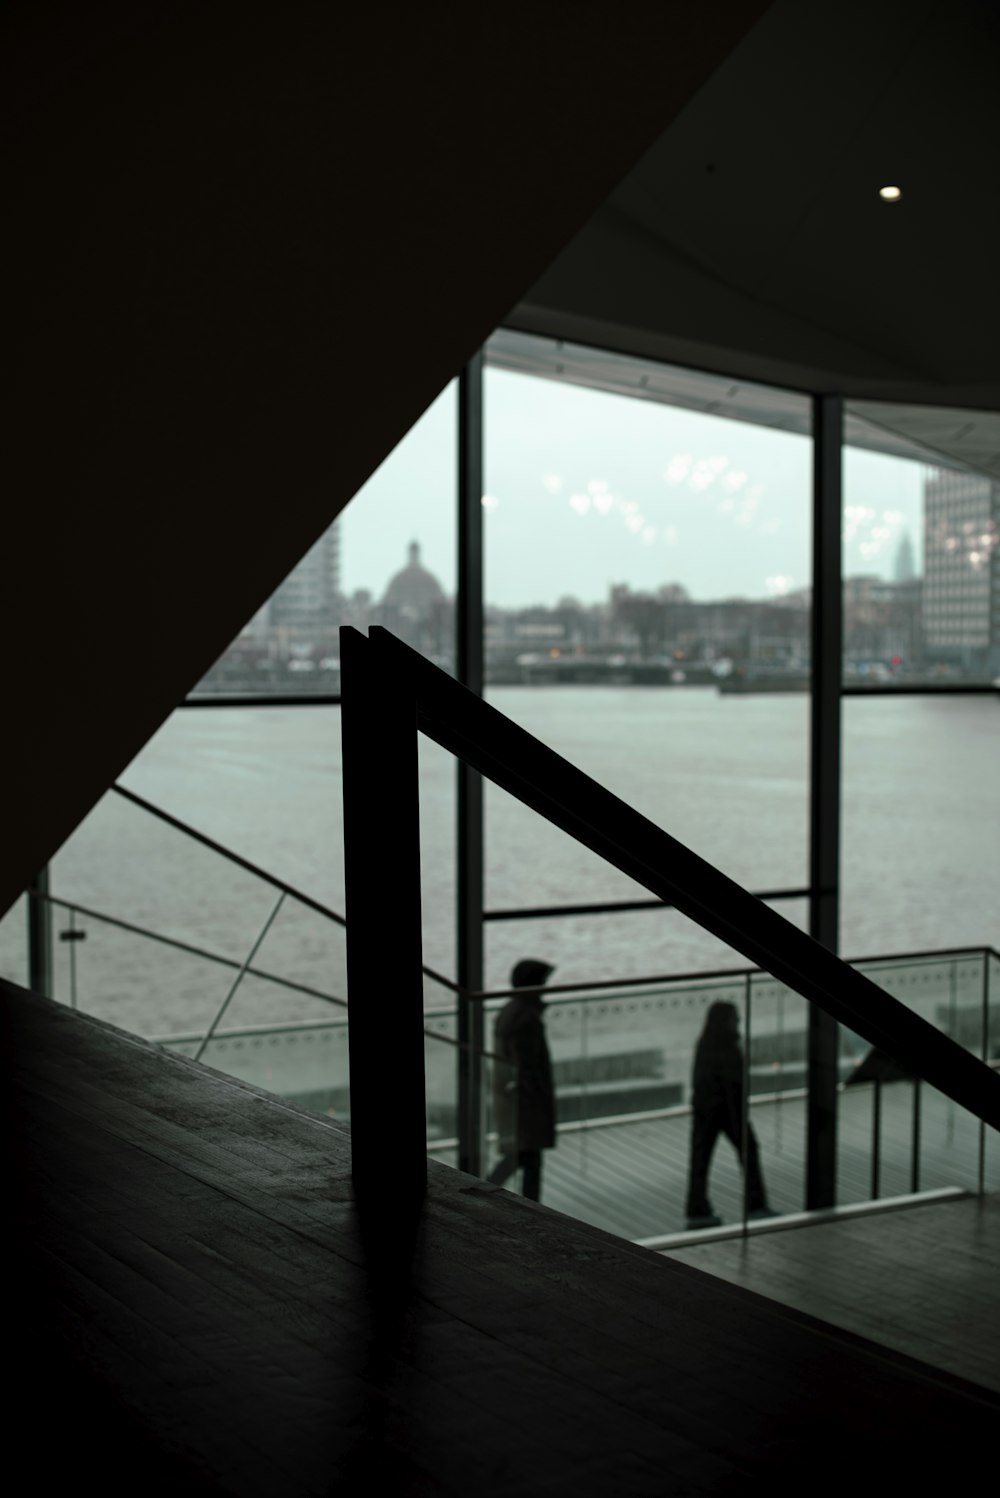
531, 1180
704, 1132
756, 1195
755, 1177
503, 1169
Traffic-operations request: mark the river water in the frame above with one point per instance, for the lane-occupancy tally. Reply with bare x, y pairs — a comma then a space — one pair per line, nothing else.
726, 775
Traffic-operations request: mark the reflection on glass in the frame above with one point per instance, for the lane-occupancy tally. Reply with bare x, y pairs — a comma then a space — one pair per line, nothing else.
921, 555
648, 595
387, 559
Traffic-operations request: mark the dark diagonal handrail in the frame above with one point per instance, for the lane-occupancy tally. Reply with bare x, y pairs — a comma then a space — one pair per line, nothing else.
384, 669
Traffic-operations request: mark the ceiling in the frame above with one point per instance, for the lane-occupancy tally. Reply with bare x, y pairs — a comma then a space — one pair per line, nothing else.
937, 436
751, 240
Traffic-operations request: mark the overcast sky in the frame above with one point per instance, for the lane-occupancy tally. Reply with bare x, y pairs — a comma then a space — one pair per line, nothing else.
586, 489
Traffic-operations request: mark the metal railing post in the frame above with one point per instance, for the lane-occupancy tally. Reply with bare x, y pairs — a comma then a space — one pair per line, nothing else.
40, 969
382, 905
915, 1139
745, 1110
469, 784
984, 1056
824, 789
876, 1139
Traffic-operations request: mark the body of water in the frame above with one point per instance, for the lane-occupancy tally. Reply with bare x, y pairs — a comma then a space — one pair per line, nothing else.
726, 775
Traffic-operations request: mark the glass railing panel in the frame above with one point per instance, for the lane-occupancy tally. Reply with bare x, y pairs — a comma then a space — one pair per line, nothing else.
441, 1065
126, 977
990, 1137
500, 1115
305, 950
777, 1027
211, 769
305, 1062
946, 990
14, 943
622, 1064
945, 1151
897, 1135
127, 864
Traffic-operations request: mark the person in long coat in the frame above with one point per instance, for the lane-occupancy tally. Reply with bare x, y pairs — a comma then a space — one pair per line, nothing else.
523, 1094
717, 1108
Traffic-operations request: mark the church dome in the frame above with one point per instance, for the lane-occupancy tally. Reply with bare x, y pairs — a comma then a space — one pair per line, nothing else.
413, 590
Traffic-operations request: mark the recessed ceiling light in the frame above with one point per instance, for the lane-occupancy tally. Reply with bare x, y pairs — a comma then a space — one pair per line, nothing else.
890, 194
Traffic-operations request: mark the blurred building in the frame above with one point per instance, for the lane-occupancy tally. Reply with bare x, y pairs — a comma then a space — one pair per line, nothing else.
961, 598
309, 597
883, 622
416, 608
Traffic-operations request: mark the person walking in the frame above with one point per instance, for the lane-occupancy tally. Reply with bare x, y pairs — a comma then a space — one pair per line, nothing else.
525, 1106
717, 1108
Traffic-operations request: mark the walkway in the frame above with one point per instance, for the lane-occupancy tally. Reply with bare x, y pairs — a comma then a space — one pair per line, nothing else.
630, 1178
923, 1281
202, 1312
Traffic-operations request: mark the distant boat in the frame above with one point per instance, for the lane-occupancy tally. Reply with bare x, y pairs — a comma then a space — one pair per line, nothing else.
765, 679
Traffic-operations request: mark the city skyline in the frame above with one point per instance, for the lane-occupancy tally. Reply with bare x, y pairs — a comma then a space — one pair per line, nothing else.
615, 490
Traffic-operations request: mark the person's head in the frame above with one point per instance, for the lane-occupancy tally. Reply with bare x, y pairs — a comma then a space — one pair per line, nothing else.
722, 1020
530, 972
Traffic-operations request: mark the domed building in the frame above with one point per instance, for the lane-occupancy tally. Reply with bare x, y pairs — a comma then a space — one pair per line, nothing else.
416, 608
413, 590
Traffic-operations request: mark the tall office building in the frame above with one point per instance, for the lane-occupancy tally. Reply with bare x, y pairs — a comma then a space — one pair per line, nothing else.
309, 596
961, 606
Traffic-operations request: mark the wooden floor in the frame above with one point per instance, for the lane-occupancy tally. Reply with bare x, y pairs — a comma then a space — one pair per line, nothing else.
924, 1281
202, 1309
630, 1177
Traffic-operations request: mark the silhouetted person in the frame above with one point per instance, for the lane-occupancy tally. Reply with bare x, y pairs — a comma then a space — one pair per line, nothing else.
525, 1107
717, 1101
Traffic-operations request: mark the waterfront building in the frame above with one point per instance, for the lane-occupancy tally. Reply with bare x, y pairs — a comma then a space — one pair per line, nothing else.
308, 601
415, 607
883, 625
961, 597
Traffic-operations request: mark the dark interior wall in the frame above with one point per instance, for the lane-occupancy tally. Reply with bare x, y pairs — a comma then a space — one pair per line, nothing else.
252, 244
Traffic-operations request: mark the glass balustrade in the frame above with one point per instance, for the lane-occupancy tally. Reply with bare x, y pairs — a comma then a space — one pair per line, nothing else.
253, 981
622, 1063
14, 943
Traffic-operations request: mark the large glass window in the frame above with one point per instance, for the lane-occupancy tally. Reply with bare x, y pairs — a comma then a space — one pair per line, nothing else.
921, 807
648, 597
265, 781
921, 555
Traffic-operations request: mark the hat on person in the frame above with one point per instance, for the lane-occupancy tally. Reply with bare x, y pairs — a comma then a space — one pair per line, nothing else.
530, 972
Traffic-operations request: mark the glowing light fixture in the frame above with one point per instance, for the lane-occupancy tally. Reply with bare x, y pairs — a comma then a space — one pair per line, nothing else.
890, 194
